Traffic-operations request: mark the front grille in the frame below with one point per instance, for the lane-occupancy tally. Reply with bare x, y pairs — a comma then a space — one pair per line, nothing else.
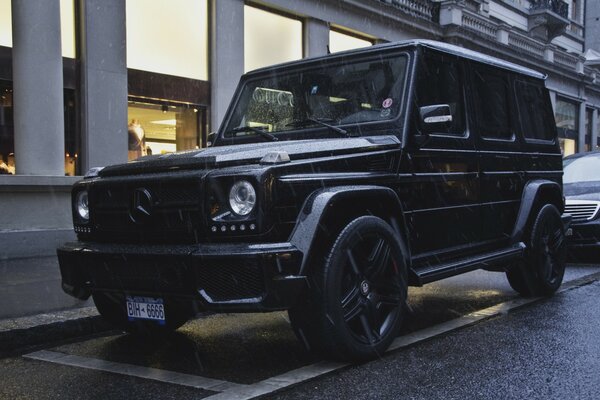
241, 279
174, 211
582, 210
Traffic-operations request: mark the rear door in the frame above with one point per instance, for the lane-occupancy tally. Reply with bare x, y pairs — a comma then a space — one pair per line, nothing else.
501, 157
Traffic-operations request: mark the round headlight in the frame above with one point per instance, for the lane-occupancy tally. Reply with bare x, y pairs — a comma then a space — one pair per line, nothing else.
81, 205
242, 198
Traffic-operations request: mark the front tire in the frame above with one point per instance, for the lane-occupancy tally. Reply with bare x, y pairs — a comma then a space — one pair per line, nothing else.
357, 297
543, 270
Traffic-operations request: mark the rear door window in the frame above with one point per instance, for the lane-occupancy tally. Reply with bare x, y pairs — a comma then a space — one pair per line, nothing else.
491, 103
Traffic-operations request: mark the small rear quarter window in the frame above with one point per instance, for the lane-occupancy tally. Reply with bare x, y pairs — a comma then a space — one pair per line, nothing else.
535, 112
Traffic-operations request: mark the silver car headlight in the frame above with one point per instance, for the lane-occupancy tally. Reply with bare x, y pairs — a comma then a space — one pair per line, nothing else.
242, 198
81, 205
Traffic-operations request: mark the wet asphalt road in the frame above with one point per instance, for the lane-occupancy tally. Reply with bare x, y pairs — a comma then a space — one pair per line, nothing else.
548, 349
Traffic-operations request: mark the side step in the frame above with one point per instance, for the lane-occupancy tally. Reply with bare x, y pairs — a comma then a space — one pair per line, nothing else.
431, 273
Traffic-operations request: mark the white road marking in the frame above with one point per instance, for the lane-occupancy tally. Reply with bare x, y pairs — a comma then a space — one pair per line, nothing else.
234, 391
155, 374
300, 375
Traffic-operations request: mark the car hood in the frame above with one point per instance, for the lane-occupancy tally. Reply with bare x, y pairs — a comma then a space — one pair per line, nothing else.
582, 190
246, 154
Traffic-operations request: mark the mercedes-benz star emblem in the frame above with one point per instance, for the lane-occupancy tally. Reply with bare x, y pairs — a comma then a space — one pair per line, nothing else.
141, 206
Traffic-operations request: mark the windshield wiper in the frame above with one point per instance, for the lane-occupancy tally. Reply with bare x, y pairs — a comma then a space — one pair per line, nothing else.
319, 121
256, 129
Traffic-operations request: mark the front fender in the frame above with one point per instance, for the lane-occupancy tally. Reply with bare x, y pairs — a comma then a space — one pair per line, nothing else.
335, 201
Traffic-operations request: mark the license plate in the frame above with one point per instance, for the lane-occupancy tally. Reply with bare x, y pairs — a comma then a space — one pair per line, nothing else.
145, 308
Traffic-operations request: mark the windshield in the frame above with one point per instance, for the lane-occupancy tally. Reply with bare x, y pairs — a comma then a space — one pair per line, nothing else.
584, 169
323, 97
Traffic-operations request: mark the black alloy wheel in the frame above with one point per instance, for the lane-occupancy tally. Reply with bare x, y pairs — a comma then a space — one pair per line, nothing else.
358, 298
542, 272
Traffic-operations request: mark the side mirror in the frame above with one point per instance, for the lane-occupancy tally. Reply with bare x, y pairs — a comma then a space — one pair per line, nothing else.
435, 117
210, 139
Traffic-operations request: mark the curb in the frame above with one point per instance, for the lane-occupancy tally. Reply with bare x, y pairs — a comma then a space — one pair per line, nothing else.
18, 333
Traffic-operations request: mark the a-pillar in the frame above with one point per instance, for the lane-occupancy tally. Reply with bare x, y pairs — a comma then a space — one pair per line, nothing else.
103, 82
316, 37
38, 88
226, 54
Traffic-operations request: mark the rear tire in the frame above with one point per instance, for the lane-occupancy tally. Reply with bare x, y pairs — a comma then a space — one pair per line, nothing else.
112, 308
357, 298
542, 272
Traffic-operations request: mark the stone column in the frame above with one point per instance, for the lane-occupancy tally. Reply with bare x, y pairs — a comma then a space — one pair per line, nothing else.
316, 37
581, 127
451, 12
502, 33
103, 82
226, 54
38, 88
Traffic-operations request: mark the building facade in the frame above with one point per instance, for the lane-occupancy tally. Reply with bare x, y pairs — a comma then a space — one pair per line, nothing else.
87, 83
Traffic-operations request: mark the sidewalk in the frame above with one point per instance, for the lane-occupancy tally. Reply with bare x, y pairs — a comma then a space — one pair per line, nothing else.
35, 310
30, 286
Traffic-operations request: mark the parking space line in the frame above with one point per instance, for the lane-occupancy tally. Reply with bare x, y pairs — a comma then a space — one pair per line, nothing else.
155, 374
276, 383
233, 391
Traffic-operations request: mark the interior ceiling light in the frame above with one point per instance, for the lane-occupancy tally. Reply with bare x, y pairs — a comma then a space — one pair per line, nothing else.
169, 122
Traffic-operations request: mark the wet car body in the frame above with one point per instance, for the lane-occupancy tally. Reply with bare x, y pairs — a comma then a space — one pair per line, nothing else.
443, 199
583, 203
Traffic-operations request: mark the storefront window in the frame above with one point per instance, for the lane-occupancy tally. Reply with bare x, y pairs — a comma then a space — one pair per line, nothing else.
162, 128
168, 37
339, 41
597, 129
567, 115
7, 139
7, 136
5, 23
567, 121
270, 38
67, 26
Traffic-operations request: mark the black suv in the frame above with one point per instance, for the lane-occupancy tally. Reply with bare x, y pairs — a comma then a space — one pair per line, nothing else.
333, 184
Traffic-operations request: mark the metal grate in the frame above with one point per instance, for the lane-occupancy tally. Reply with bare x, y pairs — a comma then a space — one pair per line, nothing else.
223, 282
582, 210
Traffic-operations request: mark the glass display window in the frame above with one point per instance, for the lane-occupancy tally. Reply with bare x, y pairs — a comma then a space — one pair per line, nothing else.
7, 135
7, 139
339, 41
567, 146
67, 26
160, 128
5, 23
566, 114
168, 37
270, 38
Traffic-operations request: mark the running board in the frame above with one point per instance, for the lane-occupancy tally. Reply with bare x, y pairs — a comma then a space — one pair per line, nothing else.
433, 273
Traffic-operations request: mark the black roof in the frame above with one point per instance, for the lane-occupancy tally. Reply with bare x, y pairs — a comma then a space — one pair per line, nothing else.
432, 44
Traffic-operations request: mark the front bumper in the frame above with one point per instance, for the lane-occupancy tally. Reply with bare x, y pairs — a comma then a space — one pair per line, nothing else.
219, 277
586, 235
